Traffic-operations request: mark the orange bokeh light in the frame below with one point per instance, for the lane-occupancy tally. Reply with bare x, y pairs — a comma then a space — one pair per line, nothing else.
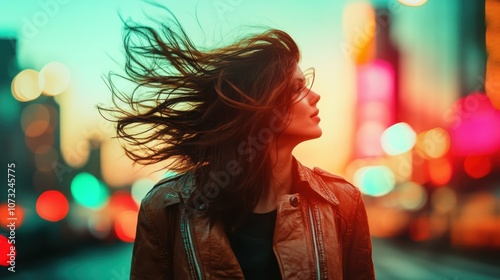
125, 225
387, 222
52, 206
440, 171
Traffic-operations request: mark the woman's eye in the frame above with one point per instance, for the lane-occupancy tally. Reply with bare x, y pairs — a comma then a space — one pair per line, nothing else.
300, 87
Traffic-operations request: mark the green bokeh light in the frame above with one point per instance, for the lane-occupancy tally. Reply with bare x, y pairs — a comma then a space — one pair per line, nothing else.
375, 180
398, 139
89, 191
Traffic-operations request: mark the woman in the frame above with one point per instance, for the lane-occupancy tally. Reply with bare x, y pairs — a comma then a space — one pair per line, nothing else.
241, 205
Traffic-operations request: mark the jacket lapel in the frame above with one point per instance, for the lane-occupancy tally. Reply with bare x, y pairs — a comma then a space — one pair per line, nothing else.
316, 183
215, 253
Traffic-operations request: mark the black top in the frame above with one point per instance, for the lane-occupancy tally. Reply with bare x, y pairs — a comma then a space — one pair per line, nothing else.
252, 244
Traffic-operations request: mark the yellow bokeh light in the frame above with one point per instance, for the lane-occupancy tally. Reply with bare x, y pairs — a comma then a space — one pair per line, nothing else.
413, 3
54, 78
26, 85
434, 143
411, 196
444, 200
76, 155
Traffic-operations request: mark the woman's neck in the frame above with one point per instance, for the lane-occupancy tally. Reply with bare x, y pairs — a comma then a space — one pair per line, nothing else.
281, 183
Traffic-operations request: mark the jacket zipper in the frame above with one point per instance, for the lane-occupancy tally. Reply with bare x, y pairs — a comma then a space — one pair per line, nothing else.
316, 253
189, 247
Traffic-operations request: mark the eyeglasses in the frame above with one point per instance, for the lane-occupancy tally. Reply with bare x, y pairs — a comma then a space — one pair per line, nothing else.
305, 84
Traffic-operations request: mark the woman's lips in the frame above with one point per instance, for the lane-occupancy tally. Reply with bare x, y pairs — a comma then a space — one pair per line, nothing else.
315, 116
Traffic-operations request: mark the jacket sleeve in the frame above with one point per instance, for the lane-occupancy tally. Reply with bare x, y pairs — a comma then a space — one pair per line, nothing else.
359, 264
151, 256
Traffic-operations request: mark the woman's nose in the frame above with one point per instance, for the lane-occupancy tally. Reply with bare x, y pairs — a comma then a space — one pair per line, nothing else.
313, 97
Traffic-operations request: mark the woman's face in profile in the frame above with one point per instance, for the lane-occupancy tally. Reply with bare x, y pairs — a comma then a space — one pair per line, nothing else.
304, 119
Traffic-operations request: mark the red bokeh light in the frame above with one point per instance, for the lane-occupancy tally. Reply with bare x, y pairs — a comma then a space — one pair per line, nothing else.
5, 250
5, 213
52, 206
477, 166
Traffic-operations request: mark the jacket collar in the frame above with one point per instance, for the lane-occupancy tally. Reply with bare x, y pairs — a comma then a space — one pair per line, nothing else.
315, 181
181, 186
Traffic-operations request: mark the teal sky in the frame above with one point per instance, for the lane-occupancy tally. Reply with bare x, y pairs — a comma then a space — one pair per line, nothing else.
86, 36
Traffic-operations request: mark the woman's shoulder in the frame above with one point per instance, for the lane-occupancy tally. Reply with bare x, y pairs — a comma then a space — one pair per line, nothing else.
169, 191
338, 184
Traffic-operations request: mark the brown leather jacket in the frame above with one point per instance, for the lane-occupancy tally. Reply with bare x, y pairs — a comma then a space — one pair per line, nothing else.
321, 232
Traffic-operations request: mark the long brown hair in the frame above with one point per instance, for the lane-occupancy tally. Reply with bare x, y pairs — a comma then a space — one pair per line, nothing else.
206, 109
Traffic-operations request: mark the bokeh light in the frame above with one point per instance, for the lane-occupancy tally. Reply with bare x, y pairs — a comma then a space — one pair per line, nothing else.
375, 91
376, 82
411, 196
54, 78
398, 138
387, 222
434, 143
88, 191
5, 250
477, 226
420, 228
45, 140
5, 214
121, 201
375, 180
76, 156
100, 226
440, 171
52, 206
413, 3
471, 126
443, 200
140, 188
125, 225
25, 86
35, 119
477, 166
78, 217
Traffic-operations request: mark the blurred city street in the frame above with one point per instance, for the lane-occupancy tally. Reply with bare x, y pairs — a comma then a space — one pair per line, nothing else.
392, 261
410, 111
